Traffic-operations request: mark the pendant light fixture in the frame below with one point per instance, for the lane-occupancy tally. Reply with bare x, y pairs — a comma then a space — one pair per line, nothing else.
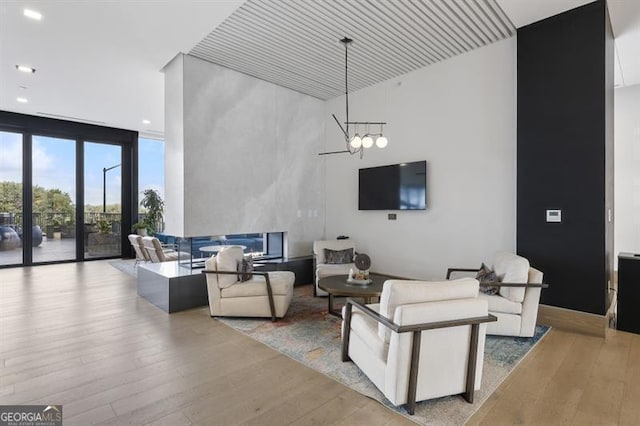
357, 142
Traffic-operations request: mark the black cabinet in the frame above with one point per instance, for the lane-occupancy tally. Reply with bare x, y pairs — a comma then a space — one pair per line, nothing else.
629, 292
301, 266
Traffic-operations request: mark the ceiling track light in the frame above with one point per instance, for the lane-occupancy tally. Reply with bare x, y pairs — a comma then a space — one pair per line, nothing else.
25, 69
356, 143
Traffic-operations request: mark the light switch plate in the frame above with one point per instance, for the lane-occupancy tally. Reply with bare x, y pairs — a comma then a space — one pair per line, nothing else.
554, 216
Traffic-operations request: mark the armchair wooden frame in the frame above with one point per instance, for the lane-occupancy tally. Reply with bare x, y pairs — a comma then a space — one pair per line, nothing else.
417, 329
314, 266
497, 284
272, 306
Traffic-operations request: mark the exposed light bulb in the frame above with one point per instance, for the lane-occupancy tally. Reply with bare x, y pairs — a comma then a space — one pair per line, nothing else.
381, 142
356, 142
25, 68
367, 141
32, 14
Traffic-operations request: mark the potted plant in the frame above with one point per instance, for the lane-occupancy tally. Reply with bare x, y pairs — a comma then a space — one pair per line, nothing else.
57, 228
154, 205
104, 226
142, 228
69, 229
104, 242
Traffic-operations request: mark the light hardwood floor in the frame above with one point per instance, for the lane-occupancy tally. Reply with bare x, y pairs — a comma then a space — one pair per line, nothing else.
572, 379
78, 335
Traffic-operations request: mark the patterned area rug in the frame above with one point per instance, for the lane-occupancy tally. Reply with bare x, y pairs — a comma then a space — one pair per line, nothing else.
310, 335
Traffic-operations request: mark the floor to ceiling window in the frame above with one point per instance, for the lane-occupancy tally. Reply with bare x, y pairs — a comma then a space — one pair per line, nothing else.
150, 167
67, 190
10, 198
53, 199
102, 199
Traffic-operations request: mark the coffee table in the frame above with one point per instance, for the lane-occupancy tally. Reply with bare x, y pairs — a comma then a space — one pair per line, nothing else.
337, 285
216, 249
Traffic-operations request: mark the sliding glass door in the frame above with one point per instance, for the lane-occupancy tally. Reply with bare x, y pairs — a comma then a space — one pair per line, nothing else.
67, 190
53, 199
10, 198
102, 200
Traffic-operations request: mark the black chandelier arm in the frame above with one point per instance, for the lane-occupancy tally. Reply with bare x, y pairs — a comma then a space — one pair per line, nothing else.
346, 151
346, 138
364, 123
346, 41
334, 152
345, 132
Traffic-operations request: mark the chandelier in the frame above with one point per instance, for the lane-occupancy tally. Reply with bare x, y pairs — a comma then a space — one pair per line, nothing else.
364, 132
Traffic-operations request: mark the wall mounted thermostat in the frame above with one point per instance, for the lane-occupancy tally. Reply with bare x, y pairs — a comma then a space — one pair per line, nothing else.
554, 216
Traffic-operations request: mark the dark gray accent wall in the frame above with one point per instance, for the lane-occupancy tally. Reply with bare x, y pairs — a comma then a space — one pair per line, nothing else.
564, 160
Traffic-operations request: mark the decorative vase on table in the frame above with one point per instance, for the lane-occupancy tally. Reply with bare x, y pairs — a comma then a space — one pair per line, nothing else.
361, 276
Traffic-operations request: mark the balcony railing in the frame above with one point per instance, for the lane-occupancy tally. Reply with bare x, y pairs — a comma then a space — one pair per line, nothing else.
66, 221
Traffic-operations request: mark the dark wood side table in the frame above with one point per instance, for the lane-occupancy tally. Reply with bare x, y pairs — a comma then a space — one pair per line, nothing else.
337, 285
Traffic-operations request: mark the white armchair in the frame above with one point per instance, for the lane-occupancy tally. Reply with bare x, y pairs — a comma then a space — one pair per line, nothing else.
265, 294
516, 303
322, 268
138, 246
157, 253
423, 340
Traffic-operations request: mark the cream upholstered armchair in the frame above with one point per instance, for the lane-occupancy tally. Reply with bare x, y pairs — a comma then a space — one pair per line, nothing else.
138, 247
423, 340
518, 294
157, 253
325, 267
264, 294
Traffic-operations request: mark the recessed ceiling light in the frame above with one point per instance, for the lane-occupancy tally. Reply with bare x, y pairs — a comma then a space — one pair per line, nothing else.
22, 100
32, 14
25, 68
146, 122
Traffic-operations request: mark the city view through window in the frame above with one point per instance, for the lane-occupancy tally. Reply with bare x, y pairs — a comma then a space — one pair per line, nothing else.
54, 199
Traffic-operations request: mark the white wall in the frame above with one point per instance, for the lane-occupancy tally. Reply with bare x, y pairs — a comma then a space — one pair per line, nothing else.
627, 169
250, 157
174, 146
460, 116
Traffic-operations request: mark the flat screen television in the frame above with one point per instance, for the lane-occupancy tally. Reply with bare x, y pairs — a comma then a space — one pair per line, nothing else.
394, 187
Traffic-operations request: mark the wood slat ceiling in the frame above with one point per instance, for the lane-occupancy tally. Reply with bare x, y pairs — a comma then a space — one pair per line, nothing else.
294, 43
